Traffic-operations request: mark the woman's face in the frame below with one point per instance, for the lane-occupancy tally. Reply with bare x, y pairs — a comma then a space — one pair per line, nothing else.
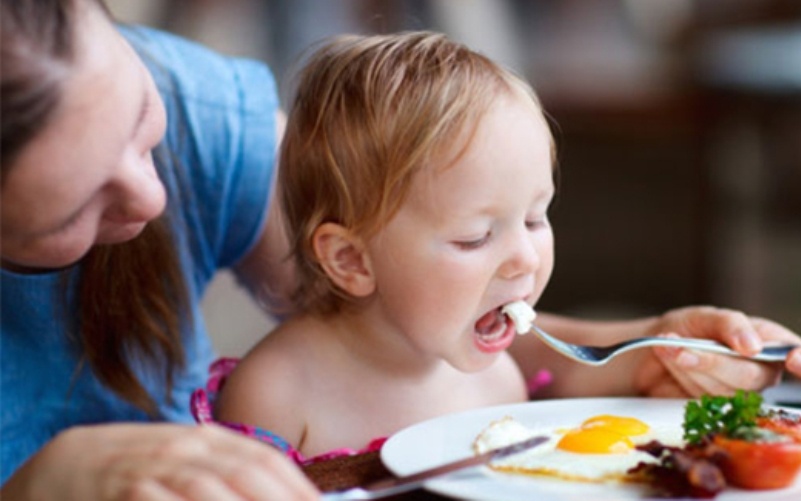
469, 239
88, 178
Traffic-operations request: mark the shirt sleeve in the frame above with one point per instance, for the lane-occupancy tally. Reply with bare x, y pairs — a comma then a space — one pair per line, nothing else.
221, 144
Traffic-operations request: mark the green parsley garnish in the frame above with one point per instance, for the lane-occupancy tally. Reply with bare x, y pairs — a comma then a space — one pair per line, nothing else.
731, 416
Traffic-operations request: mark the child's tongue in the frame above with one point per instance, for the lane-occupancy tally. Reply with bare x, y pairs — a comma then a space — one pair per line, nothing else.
490, 322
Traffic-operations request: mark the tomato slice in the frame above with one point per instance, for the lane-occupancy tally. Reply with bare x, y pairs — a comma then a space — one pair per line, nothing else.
759, 465
785, 426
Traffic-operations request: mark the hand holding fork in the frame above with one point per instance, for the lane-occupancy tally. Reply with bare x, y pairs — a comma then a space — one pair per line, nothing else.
522, 315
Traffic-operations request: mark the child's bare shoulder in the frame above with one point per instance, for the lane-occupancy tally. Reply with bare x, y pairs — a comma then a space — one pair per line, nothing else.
268, 387
283, 360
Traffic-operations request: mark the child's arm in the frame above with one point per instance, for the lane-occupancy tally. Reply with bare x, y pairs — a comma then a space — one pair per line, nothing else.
656, 372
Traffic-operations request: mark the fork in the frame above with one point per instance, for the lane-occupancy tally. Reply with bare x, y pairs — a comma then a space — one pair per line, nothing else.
600, 355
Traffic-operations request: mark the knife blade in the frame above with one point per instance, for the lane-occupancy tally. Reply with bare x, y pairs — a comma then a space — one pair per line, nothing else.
392, 486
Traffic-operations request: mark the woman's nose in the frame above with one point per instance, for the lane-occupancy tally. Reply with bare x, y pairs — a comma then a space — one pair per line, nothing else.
523, 257
139, 195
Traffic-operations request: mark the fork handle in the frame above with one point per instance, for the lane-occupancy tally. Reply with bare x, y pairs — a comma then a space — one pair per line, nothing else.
777, 353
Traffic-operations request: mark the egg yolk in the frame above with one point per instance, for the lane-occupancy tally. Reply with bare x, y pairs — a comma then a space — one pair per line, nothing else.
603, 435
595, 441
624, 425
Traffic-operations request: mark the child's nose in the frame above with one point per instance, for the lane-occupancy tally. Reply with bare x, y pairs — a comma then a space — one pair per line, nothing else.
523, 258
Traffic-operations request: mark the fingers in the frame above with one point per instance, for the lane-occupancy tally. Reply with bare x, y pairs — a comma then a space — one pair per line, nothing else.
668, 389
794, 362
681, 372
773, 332
199, 483
699, 373
654, 380
159, 462
674, 360
202, 463
173, 481
737, 331
255, 469
731, 327
149, 490
248, 468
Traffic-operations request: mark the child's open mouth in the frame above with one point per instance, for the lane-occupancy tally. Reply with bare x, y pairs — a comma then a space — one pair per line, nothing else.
494, 331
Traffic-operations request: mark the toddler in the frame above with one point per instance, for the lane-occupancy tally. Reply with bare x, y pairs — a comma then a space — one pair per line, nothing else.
416, 176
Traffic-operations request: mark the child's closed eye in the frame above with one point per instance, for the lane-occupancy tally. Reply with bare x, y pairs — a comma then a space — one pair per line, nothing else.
473, 243
535, 224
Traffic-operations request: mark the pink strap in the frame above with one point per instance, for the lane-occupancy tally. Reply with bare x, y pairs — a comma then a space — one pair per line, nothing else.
539, 381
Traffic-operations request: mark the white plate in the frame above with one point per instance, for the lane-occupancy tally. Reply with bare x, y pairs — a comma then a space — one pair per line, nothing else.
448, 438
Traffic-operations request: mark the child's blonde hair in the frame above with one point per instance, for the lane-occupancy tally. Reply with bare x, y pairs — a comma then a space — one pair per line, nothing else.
369, 113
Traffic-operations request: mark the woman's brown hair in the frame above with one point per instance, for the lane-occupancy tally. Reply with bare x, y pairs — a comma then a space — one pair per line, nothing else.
131, 298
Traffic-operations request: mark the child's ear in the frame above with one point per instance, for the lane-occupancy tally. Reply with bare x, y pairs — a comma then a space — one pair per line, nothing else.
343, 258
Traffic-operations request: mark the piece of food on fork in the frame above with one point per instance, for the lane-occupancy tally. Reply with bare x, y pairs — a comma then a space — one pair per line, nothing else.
522, 315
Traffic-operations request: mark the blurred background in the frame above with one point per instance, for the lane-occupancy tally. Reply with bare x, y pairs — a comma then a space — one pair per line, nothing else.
678, 125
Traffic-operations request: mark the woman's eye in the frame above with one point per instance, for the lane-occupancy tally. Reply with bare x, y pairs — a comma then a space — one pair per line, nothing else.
473, 244
67, 225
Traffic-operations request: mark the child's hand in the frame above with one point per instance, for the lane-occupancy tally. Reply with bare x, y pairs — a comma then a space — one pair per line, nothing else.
677, 372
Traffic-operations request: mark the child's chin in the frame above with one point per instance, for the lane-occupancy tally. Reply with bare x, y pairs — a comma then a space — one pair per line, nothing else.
476, 364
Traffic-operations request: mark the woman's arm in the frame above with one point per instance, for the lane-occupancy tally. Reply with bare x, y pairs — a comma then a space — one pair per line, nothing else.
156, 461
266, 271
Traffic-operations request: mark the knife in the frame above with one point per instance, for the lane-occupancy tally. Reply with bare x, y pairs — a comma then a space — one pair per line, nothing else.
392, 486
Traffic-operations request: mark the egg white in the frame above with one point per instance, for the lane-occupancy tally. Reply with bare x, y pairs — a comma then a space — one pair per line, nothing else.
522, 315
547, 460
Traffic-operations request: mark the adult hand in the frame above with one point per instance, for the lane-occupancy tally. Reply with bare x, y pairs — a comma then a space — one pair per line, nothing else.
157, 462
794, 362
677, 372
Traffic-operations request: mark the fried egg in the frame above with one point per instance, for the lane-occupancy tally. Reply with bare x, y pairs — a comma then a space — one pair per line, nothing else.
600, 449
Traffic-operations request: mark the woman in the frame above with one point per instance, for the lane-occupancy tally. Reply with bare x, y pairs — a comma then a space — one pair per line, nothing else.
82, 116
97, 333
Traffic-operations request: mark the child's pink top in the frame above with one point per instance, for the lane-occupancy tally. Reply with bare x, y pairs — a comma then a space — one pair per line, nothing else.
202, 403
